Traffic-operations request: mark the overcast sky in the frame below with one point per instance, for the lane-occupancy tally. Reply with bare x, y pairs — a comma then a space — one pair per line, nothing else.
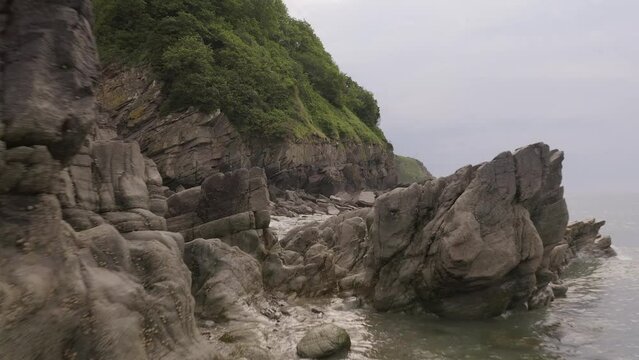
458, 81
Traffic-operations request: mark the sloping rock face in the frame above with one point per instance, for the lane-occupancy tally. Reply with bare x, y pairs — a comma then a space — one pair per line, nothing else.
66, 294
188, 147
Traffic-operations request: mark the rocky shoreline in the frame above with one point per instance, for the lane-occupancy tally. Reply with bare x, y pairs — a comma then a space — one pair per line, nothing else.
100, 259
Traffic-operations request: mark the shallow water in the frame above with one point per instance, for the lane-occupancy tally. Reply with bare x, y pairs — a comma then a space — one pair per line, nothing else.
599, 318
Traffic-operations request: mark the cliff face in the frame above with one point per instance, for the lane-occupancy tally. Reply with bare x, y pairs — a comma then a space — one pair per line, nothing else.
189, 146
92, 291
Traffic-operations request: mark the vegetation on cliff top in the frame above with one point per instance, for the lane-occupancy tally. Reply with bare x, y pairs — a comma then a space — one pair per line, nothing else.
410, 170
249, 58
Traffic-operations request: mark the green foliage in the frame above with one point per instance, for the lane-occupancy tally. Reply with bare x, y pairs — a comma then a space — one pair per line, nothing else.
410, 170
268, 72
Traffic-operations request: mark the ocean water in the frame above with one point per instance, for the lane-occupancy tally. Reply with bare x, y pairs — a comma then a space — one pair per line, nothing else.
599, 318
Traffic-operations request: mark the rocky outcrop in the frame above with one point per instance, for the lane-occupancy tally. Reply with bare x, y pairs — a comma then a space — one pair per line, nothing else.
227, 283
471, 245
190, 146
110, 181
584, 236
94, 293
232, 206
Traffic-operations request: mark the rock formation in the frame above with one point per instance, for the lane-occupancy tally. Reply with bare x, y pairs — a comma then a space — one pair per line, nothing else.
231, 206
485, 239
94, 293
89, 270
190, 146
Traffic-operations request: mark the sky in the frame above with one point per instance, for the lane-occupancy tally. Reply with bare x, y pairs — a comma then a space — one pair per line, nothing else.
459, 81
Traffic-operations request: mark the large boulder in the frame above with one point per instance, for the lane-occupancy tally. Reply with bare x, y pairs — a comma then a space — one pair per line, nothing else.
323, 341
226, 281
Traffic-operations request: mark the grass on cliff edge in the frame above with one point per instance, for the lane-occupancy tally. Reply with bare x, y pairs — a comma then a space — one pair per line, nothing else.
267, 71
410, 170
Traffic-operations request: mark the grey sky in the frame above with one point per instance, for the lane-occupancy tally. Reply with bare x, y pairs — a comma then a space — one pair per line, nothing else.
459, 81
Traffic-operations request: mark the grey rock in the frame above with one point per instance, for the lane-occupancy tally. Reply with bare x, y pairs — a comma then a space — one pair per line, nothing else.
64, 293
541, 298
226, 281
234, 192
470, 245
323, 341
558, 290
366, 198
584, 236
184, 201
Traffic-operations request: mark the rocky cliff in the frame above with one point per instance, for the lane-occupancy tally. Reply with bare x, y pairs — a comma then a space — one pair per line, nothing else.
92, 291
189, 146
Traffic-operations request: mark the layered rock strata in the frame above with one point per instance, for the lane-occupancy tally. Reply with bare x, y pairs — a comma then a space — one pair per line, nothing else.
190, 146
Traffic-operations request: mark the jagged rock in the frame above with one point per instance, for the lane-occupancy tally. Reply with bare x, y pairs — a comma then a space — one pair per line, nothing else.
231, 206
584, 236
366, 198
541, 298
323, 341
226, 281
49, 80
469, 245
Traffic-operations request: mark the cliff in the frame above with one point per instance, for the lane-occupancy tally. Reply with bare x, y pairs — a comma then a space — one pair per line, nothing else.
230, 84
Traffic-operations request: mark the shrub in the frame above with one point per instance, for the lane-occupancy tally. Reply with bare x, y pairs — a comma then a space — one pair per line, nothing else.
270, 73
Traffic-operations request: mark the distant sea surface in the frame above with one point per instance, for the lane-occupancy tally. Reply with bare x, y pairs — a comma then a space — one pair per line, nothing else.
599, 319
